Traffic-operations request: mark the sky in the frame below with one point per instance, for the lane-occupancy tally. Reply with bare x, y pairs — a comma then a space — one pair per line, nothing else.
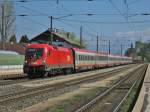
120, 21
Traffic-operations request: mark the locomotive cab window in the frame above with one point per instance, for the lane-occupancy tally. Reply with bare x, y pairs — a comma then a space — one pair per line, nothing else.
34, 52
39, 53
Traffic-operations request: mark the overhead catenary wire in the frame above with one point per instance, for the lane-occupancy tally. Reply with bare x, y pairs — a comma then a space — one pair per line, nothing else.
88, 14
123, 15
33, 21
43, 14
76, 28
104, 22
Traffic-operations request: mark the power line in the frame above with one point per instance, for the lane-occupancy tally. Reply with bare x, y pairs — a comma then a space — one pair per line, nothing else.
32, 10
88, 14
133, 2
125, 17
57, 1
70, 25
104, 22
33, 21
74, 27
75, 14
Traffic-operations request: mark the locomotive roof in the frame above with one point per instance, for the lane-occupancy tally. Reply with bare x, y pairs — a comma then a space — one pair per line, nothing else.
89, 51
103, 53
47, 45
38, 45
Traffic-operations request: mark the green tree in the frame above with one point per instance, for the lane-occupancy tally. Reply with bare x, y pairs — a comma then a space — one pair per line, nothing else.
24, 39
141, 50
76, 39
13, 39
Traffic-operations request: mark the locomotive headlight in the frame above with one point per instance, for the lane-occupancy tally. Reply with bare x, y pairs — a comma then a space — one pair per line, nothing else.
44, 61
25, 61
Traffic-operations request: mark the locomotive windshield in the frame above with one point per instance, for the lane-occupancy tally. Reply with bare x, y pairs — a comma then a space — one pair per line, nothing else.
34, 52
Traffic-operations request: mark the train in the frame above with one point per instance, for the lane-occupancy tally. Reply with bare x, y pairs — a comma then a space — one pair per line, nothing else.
45, 59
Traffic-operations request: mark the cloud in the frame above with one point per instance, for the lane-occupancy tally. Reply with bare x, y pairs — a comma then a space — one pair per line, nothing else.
128, 34
137, 35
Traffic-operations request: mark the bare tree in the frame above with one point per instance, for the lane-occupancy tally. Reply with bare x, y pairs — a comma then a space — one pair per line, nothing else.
7, 20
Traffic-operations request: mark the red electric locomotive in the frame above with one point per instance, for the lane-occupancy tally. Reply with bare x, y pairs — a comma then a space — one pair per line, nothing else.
41, 59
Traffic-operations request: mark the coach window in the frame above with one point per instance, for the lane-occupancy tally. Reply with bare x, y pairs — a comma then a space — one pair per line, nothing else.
76, 57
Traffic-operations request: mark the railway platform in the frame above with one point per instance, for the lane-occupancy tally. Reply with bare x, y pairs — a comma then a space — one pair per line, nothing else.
143, 102
10, 73
10, 70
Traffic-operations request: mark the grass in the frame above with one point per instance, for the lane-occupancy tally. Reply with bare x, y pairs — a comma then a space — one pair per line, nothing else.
77, 100
11, 59
129, 101
127, 105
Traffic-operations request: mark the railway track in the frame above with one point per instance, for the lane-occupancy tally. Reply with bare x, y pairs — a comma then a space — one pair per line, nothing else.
113, 98
13, 81
12, 76
5, 99
23, 78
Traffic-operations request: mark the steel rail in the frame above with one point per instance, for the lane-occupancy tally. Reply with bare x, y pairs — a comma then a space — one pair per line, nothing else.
127, 94
95, 100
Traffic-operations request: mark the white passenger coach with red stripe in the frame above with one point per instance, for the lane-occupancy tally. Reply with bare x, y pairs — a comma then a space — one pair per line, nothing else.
87, 59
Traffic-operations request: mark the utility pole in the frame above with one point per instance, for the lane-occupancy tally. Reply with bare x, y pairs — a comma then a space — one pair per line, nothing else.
51, 29
81, 31
2, 33
109, 46
121, 49
97, 43
51, 22
131, 45
57, 1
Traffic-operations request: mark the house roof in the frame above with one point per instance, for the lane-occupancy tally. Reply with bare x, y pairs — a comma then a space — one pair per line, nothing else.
46, 36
